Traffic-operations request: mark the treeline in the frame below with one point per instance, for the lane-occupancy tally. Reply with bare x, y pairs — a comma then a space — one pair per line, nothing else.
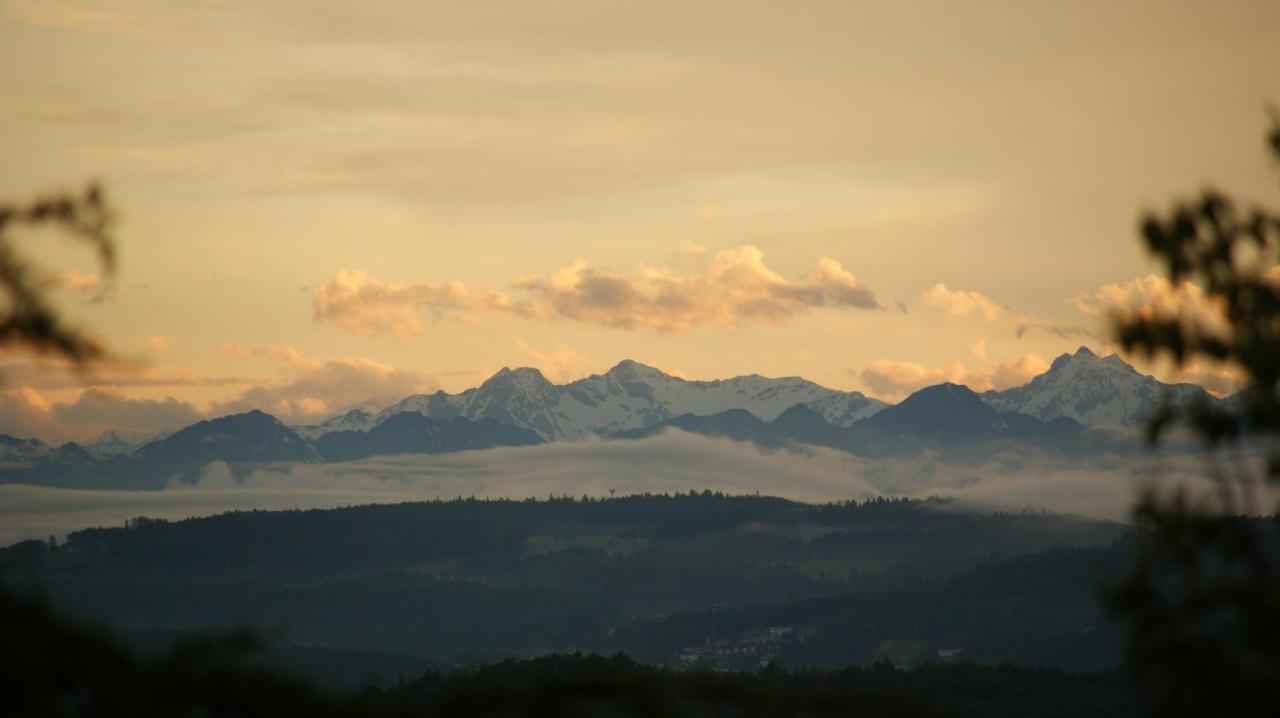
378, 537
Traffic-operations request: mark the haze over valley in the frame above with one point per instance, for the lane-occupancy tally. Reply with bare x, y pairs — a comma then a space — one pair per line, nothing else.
1068, 440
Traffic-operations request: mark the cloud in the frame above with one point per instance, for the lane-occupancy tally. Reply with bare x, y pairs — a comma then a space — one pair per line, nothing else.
361, 304
137, 19
893, 380
303, 390
24, 412
961, 304
1063, 330
46, 373
97, 410
158, 343
89, 286
673, 461
561, 365
76, 281
734, 289
1153, 295
307, 390
1218, 379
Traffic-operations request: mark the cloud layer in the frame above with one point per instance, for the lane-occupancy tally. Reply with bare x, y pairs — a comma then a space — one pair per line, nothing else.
674, 461
25, 412
892, 380
1153, 295
961, 304
735, 289
303, 390
308, 390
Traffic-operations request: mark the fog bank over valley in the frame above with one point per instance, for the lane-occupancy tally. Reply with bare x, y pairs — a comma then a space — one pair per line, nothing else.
673, 461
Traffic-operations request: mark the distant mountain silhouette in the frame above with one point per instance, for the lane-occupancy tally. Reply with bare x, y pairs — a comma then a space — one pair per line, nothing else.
411, 433
240, 439
945, 415
804, 425
119, 442
31, 460
1098, 392
941, 416
254, 436
1060, 409
736, 424
629, 396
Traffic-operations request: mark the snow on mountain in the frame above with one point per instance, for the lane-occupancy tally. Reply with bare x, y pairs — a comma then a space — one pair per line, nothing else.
119, 442
354, 420
1099, 392
15, 452
438, 406
253, 436
628, 396
632, 395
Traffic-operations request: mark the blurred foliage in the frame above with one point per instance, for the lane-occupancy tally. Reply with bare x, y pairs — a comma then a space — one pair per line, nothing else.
54, 666
28, 319
1203, 602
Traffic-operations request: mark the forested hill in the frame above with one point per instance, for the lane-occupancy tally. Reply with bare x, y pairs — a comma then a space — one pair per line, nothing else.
377, 538
656, 576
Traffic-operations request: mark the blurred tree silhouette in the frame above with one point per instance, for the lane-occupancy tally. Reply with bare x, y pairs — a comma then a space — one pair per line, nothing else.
55, 666
27, 317
1203, 601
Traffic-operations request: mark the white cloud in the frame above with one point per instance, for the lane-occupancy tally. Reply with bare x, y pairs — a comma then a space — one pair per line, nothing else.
361, 304
979, 349
308, 390
892, 380
961, 304
140, 19
1102, 487
26, 413
158, 343
1028, 324
1153, 295
561, 365
734, 289
303, 390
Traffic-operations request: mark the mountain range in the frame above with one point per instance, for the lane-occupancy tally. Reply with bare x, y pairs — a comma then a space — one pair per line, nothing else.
1080, 394
628, 396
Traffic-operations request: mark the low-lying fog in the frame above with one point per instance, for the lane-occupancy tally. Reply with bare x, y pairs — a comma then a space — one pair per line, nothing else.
674, 461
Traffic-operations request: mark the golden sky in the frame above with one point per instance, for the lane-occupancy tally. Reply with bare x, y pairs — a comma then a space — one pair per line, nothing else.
326, 202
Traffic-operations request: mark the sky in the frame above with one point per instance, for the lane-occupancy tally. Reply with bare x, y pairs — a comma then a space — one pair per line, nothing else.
323, 203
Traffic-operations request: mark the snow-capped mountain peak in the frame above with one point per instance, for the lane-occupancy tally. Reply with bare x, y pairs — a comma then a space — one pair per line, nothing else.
631, 370
353, 420
1097, 391
630, 395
